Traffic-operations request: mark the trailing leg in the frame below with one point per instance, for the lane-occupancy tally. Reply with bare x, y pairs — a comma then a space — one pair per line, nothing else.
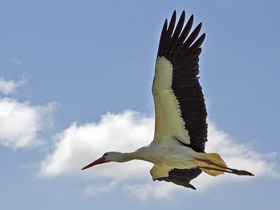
214, 165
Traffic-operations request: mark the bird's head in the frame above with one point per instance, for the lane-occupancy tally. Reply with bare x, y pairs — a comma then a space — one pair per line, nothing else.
107, 157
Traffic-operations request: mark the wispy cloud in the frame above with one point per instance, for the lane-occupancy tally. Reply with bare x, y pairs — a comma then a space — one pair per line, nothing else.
95, 190
20, 122
148, 189
9, 86
16, 61
79, 144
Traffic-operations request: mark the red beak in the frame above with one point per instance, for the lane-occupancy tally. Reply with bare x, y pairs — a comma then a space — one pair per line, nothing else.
96, 162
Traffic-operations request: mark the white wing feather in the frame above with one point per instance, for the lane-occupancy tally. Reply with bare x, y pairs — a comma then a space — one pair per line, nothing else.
168, 122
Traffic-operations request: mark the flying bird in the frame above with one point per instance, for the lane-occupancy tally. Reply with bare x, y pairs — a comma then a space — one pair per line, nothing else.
178, 148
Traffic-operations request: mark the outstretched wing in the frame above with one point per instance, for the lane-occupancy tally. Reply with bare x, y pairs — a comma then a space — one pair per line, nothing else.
180, 110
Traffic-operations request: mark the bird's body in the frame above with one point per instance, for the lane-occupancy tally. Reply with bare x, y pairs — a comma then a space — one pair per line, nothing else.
178, 148
165, 154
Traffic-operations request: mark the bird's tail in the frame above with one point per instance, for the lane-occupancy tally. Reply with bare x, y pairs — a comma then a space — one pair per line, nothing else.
214, 165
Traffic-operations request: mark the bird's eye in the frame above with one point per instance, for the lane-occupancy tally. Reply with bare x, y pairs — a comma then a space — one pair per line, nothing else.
105, 154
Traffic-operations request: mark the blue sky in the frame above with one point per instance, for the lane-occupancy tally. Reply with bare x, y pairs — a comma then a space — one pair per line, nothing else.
75, 82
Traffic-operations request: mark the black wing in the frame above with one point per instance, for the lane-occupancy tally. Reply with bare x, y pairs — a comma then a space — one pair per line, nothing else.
182, 176
183, 51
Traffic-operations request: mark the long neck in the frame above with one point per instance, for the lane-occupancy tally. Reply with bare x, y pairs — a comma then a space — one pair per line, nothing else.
140, 154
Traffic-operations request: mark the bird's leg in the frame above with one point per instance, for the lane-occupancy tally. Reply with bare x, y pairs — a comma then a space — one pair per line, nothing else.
227, 170
209, 162
216, 169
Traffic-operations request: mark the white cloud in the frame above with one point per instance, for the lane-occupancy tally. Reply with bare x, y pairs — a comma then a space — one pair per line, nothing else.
9, 86
21, 122
80, 144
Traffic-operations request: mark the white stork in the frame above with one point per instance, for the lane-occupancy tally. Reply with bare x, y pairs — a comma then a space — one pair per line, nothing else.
177, 150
